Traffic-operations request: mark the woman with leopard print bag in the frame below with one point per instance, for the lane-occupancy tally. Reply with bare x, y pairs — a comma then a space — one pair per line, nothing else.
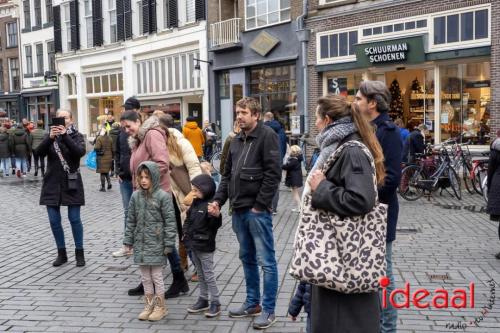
340, 240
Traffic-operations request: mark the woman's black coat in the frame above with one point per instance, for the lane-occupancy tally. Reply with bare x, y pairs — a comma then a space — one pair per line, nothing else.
55, 182
494, 180
293, 169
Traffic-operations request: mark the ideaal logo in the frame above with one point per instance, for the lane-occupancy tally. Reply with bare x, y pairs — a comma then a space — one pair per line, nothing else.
422, 298
440, 298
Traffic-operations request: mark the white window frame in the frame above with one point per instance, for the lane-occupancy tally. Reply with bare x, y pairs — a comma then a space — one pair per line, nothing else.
89, 27
7, 25
29, 64
193, 6
111, 12
395, 34
267, 13
336, 60
67, 26
460, 44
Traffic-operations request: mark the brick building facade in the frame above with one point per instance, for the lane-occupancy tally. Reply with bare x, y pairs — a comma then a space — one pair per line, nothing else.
10, 71
446, 70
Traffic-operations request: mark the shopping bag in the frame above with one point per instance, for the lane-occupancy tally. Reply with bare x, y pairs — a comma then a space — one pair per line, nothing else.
91, 160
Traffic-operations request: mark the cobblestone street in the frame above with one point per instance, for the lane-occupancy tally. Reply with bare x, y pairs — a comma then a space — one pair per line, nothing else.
439, 243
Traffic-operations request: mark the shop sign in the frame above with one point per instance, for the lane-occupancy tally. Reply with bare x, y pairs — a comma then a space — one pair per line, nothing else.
478, 84
295, 125
387, 53
337, 86
406, 50
264, 43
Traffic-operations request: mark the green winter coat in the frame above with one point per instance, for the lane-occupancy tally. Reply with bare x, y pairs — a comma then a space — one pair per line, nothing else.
151, 226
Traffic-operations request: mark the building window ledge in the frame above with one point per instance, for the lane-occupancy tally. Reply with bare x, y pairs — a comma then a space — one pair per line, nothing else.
11, 47
268, 26
25, 30
36, 28
325, 5
48, 25
37, 74
28, 75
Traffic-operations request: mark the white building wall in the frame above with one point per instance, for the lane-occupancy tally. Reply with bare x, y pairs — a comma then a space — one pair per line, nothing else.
124, 55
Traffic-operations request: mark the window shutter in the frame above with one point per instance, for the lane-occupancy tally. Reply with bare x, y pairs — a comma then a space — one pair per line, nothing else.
152, 14
97, 22
120, 27
172, 21
145, 16
57, 29
75, 25
200, 10
127, 14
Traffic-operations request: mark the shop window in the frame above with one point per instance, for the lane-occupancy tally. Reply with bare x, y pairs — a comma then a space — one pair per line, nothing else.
466, 102
97, 84
105, 83
113, 83
468, 26
90, 87
391, 28
120, 81
275, 88
260, 13
338, 44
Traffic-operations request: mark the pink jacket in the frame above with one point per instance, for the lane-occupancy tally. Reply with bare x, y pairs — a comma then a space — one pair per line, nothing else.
150, 145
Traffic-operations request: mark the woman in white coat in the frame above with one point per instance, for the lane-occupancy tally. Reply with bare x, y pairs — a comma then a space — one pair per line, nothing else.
184, 166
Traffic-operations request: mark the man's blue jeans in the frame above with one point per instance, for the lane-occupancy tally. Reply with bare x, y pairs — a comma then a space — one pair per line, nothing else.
255, 235
126, 191
21, 164
57, 229
389, 315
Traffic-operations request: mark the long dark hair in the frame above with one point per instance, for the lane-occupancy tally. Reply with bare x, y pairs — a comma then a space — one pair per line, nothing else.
336, 107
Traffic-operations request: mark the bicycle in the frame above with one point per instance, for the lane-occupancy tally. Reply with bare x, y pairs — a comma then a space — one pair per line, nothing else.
479, 173
216, 156
304, 141
416, 181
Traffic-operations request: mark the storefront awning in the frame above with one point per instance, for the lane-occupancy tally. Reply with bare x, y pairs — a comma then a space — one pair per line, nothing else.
9, 97
39, 93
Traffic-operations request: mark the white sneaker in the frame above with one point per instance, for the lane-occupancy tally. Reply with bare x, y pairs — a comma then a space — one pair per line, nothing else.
296, 210
122, 253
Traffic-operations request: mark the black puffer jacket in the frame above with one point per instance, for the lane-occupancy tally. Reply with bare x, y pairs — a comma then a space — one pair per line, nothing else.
20, 143
4, 143
122, 156
494, 180
200, 228
293, 167
55, 190
252, 171
348, 189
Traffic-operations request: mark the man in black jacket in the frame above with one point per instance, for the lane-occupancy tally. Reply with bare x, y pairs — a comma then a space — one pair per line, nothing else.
251, 177
373, 99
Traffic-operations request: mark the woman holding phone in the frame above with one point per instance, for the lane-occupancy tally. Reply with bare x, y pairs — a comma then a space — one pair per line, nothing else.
62, 183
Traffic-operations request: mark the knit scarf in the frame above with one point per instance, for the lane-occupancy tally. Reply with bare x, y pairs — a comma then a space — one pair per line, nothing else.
328, 141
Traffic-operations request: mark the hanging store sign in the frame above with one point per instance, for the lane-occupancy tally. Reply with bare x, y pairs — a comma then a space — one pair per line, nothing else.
387, 53
337, 86
264, 43
405, 51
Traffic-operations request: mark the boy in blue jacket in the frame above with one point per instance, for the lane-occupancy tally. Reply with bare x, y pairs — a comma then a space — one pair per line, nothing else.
302, 298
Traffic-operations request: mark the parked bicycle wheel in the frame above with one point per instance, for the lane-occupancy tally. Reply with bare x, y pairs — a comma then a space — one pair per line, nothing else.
215, 161
455, 183
468, 181
408, 187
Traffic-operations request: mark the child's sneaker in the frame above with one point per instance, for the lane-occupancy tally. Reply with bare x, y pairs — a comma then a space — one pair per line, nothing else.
200, 306
160, 309
213, 311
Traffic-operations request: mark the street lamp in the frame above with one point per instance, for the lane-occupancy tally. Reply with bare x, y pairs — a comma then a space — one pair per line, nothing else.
197, 68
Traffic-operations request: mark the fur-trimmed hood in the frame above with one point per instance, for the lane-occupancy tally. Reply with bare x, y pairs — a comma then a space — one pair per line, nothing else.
150, 123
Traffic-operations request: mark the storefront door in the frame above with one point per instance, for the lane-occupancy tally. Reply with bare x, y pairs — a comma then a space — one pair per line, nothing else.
195, 110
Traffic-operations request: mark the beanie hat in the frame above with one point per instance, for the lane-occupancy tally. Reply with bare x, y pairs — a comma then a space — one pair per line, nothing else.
205, 184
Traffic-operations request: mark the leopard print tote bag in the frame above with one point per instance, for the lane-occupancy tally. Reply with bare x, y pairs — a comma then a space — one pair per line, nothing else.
343, 254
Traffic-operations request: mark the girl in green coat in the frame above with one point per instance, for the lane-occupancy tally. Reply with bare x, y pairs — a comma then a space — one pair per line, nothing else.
151, 232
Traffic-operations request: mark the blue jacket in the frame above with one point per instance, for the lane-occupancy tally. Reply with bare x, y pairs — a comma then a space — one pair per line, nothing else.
302, 298
389, 137
404, 134
278, 129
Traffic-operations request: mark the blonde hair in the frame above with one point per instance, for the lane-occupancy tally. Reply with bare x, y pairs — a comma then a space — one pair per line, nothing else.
171, 141
295, 150
336, 107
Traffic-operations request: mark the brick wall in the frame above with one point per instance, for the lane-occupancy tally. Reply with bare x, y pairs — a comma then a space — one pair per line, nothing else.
366, 15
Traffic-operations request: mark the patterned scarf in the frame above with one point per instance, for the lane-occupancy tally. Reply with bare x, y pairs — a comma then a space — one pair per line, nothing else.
328, 141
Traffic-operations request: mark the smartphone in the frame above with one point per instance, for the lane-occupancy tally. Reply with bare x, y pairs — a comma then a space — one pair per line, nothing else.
59, 121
